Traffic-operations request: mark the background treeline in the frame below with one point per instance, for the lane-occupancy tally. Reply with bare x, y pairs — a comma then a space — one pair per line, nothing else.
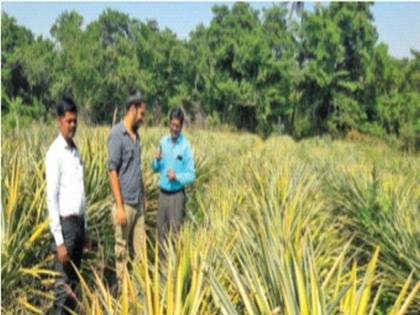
320, 72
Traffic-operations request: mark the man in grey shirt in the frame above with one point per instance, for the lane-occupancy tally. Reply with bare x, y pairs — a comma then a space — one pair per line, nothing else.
124, 167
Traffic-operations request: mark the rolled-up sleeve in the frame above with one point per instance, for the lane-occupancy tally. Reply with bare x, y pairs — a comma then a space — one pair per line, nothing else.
114, 153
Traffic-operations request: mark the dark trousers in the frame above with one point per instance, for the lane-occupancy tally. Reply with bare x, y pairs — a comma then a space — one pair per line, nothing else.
170, 216
65, 284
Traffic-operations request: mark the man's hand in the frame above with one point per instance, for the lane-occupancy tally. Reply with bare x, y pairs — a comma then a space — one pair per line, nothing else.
171, 174
121, 218
145, 204
159, 155
62, 253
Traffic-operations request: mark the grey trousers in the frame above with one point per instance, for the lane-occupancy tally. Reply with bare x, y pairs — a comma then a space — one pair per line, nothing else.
73, 230
170, 216
129, 238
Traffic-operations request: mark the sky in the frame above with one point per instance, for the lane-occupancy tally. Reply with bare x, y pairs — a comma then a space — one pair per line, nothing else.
397, 23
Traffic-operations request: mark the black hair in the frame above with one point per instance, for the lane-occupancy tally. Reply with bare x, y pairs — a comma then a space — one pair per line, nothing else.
66, 104
178, 114
134, 98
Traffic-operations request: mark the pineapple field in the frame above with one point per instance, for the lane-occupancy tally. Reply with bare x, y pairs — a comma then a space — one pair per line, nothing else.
273, 226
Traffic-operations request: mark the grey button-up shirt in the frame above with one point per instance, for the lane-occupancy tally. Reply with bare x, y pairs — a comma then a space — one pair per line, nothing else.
124, 157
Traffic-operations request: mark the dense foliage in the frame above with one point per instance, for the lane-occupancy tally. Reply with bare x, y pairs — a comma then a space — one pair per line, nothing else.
324, 72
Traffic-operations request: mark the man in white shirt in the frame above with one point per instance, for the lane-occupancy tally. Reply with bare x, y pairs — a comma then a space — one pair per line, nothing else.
66, 205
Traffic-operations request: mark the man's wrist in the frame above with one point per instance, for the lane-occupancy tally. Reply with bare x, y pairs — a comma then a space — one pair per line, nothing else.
59, 240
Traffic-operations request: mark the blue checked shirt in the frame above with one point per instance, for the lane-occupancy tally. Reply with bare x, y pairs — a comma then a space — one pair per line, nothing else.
178, 157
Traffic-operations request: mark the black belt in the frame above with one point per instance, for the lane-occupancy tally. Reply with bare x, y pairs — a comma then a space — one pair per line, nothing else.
171, 192
73, 218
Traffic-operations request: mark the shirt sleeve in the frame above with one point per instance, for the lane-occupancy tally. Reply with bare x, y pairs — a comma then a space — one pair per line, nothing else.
114, 153
155, 165
187, 176
52, 170
156, 162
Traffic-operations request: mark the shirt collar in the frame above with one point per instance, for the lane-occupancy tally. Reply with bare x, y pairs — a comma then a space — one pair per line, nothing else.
178, 141
63, 143
125, 131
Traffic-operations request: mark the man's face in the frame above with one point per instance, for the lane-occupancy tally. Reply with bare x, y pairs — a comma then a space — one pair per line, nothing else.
68, 125
175, 127
138, 115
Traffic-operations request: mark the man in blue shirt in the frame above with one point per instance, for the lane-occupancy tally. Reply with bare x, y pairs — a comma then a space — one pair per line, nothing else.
175, 163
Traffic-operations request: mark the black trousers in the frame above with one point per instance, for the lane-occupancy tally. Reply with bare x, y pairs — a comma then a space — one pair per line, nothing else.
74, 238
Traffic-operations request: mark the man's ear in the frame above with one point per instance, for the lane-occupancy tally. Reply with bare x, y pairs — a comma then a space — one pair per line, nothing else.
130, 109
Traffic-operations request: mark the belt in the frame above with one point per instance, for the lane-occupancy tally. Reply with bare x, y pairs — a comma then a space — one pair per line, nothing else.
73, 218
171, 192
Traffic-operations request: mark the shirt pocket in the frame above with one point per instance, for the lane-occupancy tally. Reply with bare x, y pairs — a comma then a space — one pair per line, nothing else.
78, 167
72, 173
178, 160
79, 170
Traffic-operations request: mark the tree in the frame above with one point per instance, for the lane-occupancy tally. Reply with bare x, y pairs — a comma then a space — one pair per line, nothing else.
26, 74
258, 71
337, 48
14, 40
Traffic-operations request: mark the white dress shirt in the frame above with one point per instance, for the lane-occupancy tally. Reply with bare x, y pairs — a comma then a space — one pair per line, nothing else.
65, 189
